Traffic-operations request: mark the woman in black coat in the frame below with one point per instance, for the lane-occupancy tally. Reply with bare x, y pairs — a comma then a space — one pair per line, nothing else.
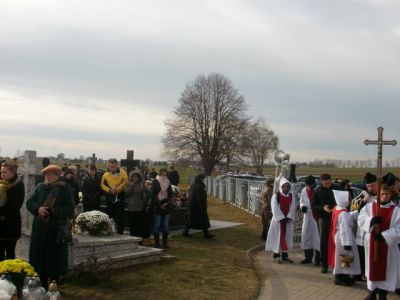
12, 194
198, 216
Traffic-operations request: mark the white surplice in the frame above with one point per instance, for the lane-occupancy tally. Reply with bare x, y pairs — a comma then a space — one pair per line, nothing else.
309, 230
344, 237
274, 232
391, 236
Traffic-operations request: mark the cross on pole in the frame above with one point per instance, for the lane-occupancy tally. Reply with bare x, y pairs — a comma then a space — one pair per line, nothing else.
380, 143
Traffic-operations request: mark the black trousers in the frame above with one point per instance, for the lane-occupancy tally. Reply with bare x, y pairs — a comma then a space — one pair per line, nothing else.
138, 224
324, 227
90, 205
361, 254
116, 211
7, 249
309, 254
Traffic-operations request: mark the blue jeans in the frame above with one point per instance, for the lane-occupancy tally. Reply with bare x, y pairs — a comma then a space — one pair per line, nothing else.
161, 223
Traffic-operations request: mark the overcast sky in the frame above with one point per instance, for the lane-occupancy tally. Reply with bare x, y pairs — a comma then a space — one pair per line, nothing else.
83, 77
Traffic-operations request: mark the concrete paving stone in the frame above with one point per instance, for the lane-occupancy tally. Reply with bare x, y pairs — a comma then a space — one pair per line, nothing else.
302, 282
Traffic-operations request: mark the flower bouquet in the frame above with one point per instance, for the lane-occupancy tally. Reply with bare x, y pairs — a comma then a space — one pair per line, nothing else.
94, 222
15, 270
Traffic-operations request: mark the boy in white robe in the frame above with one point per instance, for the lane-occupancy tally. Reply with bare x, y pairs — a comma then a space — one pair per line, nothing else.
381, 275
280, 233
341, 243
310, 240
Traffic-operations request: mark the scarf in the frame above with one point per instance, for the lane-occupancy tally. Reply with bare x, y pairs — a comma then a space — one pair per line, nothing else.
164, 184
5, 185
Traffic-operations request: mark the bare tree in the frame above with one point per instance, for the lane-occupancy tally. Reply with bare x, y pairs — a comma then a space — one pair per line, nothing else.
259, 143
209, 112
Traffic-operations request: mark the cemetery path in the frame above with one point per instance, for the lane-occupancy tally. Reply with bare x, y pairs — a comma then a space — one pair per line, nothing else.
215, 224
301, 282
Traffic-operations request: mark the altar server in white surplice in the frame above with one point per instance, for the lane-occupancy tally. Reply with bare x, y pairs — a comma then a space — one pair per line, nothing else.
310, 241
280, 233
381, 275
342, 247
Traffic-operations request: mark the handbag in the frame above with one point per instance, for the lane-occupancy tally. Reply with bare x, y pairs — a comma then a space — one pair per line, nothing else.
64, 232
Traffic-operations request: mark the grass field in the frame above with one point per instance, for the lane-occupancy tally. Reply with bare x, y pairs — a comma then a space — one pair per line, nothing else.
202, 269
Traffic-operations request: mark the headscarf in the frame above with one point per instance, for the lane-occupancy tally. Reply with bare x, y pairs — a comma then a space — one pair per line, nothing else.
5, 185
164, 184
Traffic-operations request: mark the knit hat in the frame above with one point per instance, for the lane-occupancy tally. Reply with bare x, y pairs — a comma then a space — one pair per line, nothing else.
53, 169
389, 179
310, 180
369, 178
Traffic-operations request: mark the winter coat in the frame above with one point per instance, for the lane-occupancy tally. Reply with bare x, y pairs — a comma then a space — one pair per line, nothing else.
198, 217
137, 195
91, 190
118, 180
75, 188
173, 177
156, 203
10, 216
45, 255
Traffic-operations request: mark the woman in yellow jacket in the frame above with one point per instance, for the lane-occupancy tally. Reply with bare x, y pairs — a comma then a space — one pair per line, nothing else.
113, 183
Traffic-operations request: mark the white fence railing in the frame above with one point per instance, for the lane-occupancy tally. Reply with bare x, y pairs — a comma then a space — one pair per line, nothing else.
245, 194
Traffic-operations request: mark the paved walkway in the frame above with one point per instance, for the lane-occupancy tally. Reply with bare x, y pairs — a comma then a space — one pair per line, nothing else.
215, 224
297, 281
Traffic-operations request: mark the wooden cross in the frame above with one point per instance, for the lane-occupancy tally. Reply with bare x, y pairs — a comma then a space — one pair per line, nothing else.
380, 142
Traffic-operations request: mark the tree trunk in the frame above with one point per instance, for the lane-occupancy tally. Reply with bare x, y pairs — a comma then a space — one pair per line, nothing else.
208, 168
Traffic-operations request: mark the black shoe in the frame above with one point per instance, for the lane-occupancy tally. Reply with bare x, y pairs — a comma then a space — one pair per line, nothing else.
317, 263
342, 283
372, 295
324, 270
397, 291
358, 278
306, 261
287, 259
277, 260
209, 236
186, 234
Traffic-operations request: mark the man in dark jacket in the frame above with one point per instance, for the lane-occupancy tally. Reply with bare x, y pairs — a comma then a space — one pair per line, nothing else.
173, 176
323, 203
198, 216
91, 190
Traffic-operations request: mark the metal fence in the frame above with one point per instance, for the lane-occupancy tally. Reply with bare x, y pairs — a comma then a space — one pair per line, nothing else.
246, 194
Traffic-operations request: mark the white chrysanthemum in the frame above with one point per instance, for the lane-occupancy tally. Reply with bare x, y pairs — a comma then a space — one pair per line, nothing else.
95, 222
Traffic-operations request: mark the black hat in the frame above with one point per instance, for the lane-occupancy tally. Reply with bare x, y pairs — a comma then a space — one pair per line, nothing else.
369, 178
45, 162
389, 179
310, 180
68, 171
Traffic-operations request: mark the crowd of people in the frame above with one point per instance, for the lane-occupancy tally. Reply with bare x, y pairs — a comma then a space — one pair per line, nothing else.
143, 199
357, 239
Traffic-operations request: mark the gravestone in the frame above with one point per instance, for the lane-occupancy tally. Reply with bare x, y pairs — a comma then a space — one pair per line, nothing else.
93, 159
129, 163
114, 251
30, 172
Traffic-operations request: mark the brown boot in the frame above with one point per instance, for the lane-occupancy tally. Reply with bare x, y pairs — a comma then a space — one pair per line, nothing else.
157, 240
165, 240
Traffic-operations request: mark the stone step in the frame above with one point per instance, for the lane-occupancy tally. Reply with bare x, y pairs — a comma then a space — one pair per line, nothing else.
119, 259
86, 245
109, 252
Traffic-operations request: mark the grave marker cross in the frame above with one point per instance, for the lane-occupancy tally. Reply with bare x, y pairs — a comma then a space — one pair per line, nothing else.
129, 163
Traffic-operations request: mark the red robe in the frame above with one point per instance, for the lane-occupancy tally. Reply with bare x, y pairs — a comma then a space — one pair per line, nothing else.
377, 271
331, 238
284, 204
